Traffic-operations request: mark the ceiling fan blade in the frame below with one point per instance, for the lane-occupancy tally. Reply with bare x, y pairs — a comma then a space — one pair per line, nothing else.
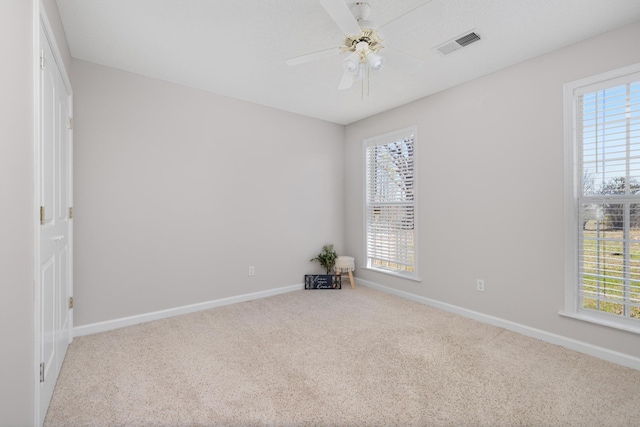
419, 16
346, 82
340, 13
401, 60
313, 56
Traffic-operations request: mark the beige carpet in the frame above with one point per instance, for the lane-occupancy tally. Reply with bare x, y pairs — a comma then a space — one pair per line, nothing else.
334, 358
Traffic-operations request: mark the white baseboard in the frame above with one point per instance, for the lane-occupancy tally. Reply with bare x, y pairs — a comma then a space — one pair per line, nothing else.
582, 347
110, 325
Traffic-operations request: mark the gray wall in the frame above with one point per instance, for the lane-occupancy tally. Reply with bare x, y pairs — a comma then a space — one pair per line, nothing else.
179, 191
491, 189
16, 227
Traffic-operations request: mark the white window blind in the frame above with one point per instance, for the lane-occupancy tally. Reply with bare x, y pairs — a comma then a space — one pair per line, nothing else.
391, 203
608, 197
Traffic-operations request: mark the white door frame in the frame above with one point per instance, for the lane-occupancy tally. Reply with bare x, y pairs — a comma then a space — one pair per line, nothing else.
40, 18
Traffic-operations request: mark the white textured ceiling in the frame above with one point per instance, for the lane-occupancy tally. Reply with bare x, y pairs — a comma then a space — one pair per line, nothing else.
238, 48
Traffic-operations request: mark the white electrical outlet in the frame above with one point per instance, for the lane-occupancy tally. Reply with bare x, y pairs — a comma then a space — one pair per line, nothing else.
252, 271
480, 285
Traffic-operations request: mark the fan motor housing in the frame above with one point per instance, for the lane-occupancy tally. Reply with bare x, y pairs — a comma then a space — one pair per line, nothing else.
367, 35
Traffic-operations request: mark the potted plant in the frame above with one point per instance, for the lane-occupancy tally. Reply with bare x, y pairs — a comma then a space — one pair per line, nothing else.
327, 259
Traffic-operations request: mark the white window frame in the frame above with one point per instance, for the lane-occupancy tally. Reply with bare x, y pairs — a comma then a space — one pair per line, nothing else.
388, 138
573, 186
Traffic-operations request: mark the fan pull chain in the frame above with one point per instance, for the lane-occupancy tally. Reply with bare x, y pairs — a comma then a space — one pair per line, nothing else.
368, 84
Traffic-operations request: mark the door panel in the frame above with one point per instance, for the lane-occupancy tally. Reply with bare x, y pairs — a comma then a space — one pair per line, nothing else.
47, 144
62, 338
48, 347
48, 323
61, 157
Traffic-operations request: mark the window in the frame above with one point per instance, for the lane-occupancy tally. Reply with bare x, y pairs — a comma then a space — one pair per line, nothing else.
603, 203
390, 203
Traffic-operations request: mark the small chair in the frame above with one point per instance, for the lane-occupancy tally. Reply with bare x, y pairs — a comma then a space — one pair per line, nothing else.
346, 264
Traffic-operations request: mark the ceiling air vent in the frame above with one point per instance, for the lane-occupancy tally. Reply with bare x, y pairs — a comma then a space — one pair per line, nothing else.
458, 43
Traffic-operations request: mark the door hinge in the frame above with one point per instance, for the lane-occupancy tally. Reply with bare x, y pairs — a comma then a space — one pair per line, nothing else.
71, 212
42, 372
42, 60
70, 122
41, 215
70, 303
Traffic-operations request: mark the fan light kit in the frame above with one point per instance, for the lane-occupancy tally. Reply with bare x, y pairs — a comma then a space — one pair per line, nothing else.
363, 41
363, 48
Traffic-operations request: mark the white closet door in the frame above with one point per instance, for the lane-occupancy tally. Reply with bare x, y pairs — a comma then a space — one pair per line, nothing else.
55, 224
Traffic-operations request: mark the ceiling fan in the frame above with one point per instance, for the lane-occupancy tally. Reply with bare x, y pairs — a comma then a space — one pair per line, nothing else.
364, 41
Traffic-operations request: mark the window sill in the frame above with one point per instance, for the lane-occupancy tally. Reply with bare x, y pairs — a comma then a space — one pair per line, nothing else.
393, 273
622, 324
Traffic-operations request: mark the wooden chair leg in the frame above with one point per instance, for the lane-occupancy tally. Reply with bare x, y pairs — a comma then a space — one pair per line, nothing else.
353, 284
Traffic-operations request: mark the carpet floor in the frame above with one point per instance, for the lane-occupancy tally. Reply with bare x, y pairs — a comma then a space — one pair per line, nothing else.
334, 358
